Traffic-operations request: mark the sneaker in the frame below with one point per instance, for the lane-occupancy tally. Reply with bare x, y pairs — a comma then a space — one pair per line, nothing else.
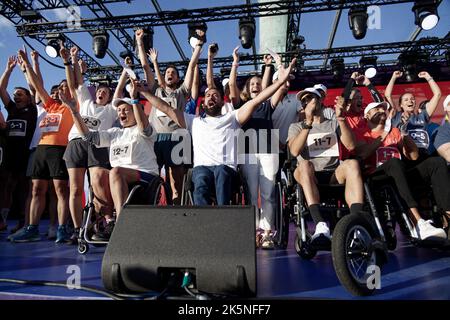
62, 236
17, 233
425, 229
321, 230
75, 236
51, 233
27, 234
267, 242
106, 233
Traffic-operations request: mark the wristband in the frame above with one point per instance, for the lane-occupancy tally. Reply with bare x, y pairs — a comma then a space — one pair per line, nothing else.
67, 63
134, 101
429, 79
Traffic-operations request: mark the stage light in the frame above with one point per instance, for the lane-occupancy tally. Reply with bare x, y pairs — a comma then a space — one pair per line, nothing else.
193, 36
369, 66
100, 42
337, 67
30, 15
425, 13
297, 42
53, 44
357, 19
408, 64
101, 79
247, 29
147, 39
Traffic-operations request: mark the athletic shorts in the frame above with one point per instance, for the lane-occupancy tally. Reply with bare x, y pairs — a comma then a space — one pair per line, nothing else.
82, 154
30, 163
163, 149
146, 177
49, 164
15, 159
323, 177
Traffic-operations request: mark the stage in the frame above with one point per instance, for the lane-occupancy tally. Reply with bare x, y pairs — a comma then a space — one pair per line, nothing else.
411, 273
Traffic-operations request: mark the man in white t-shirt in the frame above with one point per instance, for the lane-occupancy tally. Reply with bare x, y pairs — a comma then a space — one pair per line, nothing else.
213, 137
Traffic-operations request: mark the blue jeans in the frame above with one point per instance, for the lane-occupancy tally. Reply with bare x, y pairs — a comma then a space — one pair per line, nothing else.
208, 178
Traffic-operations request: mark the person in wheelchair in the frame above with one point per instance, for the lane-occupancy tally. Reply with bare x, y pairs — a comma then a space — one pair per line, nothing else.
131, 147
382, 149
316, 143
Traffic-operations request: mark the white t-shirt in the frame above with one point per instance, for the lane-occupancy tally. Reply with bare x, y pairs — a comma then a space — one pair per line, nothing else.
214, 139
284, 115
37, 132
95, 116
130, 148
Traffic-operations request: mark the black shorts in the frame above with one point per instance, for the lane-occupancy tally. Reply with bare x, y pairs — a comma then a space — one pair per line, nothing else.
324, 177
15, 159
49, 164
163, 150
82, 154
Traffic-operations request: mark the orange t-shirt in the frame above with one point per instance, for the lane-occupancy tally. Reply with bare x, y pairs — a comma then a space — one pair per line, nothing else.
56, 124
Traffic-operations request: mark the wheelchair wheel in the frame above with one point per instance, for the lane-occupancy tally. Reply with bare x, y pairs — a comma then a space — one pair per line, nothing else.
353, 256
303, 249
83, 247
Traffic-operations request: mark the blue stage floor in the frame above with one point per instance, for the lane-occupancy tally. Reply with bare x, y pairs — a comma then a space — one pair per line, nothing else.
411, 273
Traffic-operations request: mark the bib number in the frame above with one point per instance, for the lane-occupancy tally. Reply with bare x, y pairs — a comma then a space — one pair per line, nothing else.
322, 145
384, 154
17, 128
51, 122
121, 154
171, 102
92, 123
420, 138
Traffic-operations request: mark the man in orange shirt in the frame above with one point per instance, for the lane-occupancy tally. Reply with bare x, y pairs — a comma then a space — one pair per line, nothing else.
48, 162
382, 148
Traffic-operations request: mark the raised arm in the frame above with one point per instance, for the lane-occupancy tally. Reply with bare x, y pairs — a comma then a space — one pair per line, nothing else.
192, 63
153, 54
34, 79
65, 55
139, 114
297, 144
143, 58
390, 87
78, 77
73, 106
347, 137
245, 112
277, 97
10, 65
234, 90
376, 96
209, 69
196, 85
432, 105
118, 93
267, 71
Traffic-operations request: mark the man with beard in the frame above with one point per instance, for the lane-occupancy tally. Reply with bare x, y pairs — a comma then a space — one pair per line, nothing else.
382, 149
213, 136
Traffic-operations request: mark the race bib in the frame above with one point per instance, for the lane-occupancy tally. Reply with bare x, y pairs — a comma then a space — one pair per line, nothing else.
17, 128
172, 102
384, 154
420, 137
121, 153
51, 122
92, 122
321, 145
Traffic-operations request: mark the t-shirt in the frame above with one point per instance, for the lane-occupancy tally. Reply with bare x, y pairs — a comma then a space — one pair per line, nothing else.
322, 144
214, 139
96, 117
388, 149
56, 124
417, 128
432, 129
261, 123
442, 135
284, 115
37, 131
177, 99
21, 126
130, 148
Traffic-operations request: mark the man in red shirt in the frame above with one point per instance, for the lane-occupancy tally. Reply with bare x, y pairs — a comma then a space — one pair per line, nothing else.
382, 148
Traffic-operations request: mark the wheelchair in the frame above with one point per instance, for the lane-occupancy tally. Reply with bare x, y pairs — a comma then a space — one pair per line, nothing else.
157, 193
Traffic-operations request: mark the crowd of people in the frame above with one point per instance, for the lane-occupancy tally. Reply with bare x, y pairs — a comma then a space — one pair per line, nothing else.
49, 142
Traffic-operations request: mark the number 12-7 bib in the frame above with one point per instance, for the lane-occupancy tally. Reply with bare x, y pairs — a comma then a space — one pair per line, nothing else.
323, 145
384, 154
120, 154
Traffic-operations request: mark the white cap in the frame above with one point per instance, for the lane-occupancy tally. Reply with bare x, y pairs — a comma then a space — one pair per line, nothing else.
306, 91
446, 103
225, 82
275, 76
373, 105
117, 102
320, 87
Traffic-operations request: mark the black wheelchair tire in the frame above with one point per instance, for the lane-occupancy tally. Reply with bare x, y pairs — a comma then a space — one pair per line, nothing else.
303, 249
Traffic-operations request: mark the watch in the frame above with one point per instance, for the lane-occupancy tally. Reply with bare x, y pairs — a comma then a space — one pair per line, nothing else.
304, 125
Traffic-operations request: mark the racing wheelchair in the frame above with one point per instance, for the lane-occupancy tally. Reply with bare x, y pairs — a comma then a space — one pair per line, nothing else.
157, 192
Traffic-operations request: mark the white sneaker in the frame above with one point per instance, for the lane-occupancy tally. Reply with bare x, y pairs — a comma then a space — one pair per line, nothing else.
426, 230
51, 233
321, 229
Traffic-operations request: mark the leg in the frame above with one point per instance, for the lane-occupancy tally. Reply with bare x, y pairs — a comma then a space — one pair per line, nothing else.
268, 170
250, 172
176, 174
62, 195
100, 184
76, 179
224, 177
349, 173
203, 179
39, 189
119, 179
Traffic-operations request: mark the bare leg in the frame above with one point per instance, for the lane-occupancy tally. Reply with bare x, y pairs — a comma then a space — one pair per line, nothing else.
76, 179
39, 189
176, 182
304, 175
119, 179
349, 173
62, 194
100, 184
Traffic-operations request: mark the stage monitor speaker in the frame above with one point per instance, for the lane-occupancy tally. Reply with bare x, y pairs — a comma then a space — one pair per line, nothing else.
215, 244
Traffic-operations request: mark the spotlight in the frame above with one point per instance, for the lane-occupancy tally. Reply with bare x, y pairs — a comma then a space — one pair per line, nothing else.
357, 19
53, 44
426, 15
247, 32
194, 29
369, 66
100, 42
407, 61
101, 79
30, 15
337, 67
297, 42
147, 39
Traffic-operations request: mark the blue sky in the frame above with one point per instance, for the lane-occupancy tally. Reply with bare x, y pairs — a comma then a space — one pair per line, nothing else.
397, 24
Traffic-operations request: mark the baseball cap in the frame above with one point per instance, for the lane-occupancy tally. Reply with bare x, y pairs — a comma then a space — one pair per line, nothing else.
225, 82
302, 93
119, 101
320, 87
446, 102
373, 105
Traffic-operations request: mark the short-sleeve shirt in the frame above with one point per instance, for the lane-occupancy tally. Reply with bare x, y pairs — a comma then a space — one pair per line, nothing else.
417, 128
130, 148
21, 125
177, 99
442, 135
37, 131
96, 117
56, 124
322, 144
284, 115
214, 139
